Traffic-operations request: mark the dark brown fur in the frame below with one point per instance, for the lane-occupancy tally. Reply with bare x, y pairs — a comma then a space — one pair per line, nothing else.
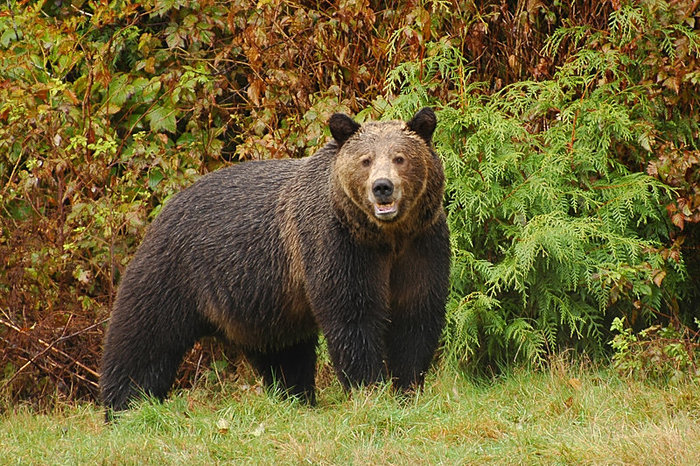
266, 254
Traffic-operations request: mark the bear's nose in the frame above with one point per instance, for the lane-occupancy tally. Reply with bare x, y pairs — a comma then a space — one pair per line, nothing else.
383, 188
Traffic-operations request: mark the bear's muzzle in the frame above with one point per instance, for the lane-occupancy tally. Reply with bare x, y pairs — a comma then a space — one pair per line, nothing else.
384, 201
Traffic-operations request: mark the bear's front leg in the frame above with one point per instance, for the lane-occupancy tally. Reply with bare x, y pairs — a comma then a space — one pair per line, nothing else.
350, 301
357, 351
411, 342
419, 287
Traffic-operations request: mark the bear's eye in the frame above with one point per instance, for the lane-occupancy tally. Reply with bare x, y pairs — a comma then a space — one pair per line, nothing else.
366, 162
399, 160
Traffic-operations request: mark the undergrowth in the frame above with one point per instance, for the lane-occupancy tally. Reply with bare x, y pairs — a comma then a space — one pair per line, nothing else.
569, 133
665, 354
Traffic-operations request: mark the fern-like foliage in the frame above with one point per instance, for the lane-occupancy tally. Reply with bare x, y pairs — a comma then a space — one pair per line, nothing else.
552, 235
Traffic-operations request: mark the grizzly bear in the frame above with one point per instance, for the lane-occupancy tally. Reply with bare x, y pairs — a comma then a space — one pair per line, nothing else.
351, 241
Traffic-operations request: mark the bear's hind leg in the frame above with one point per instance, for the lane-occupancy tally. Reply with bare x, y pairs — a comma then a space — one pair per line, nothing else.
292, 369
142, 356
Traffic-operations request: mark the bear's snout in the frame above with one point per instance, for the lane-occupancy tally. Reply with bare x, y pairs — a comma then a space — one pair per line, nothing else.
382, 189
384, 198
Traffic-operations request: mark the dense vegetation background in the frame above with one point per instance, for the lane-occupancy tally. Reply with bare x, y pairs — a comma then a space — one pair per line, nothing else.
569, 132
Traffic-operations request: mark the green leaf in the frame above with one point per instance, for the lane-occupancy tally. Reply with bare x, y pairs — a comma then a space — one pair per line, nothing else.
162, 119
150, 90
174, 36
7, 36
155, 176
119, 90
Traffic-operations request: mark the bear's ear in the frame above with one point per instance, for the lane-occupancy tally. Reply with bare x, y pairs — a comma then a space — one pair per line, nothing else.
423, 123
342, 127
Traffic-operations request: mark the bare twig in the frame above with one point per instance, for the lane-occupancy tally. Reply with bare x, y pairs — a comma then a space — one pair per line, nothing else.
34, 358
51, 346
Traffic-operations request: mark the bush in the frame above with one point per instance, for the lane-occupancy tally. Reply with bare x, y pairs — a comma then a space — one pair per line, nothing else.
666, 354
108, 109
556, 229
549, 116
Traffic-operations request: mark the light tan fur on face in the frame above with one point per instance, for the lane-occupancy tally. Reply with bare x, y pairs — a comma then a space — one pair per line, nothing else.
383, 166
379, 145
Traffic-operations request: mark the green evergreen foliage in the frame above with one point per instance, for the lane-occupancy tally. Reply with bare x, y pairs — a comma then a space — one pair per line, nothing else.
552, 234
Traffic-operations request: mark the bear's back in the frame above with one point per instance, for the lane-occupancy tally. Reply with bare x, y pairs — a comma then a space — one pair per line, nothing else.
229, 224
240, 199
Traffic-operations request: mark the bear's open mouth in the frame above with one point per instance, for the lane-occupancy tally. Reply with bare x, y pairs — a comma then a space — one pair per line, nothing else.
385, 211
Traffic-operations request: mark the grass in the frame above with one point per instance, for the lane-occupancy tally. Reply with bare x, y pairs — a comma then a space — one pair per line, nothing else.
566, 415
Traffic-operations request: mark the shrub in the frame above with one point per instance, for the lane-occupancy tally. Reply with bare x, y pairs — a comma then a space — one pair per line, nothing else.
662, 353
554, 232
550, 113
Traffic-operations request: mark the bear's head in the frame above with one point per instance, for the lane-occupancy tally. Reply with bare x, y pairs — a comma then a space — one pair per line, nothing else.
388, 170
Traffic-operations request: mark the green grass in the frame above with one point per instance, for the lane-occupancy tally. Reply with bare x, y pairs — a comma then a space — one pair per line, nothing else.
567, 415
